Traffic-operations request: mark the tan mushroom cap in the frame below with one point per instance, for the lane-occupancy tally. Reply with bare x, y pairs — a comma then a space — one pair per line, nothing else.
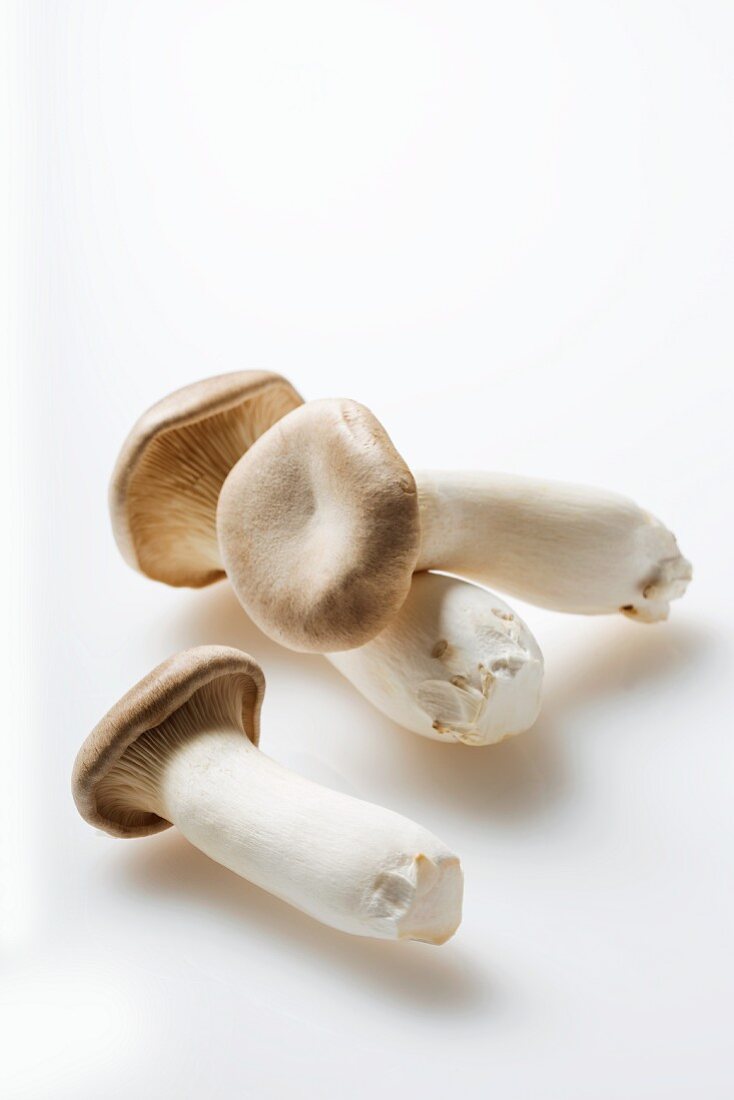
161, 693
166, 481
318, 528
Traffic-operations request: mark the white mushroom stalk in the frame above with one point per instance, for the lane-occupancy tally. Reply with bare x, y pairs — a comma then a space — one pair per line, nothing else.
321, 526
455, 664
350, 864
561, 546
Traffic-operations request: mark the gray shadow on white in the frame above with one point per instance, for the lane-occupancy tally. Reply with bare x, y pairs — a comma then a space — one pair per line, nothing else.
428, 979
503, 785
523, 776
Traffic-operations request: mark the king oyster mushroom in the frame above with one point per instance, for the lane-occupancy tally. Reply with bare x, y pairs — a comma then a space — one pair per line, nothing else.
321, 527
450, 660
181, 748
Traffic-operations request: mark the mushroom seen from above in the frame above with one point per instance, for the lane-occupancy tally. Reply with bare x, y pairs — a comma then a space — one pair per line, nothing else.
449, 660
181, 748
321, 527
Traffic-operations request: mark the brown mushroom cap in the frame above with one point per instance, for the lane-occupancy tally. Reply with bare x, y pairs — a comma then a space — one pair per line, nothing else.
319, 529
164, 691
166, 482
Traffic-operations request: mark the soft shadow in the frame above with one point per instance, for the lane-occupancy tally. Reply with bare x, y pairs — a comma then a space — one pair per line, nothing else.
509, 780
626, 657
518, 778
523, 776
214, 616
429, 979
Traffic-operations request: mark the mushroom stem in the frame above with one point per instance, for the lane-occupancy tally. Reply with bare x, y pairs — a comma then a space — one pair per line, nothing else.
350, 864
455, 664
565, 547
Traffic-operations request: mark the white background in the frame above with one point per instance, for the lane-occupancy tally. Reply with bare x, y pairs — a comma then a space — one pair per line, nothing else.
507, 228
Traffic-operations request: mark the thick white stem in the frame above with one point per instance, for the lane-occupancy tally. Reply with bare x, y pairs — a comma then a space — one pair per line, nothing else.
456, 664
560, 546
350, 864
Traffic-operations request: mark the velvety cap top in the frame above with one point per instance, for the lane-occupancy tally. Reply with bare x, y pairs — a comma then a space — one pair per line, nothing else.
319, 529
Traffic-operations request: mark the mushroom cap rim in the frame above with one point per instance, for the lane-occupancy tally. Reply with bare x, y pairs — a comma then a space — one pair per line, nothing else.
168, 687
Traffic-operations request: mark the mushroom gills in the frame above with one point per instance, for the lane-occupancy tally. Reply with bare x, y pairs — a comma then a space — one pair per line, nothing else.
350, 864
166, 483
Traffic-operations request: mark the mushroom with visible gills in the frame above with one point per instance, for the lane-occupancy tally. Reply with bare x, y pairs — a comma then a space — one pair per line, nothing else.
181, 748
484, 685
321, 526
165, 486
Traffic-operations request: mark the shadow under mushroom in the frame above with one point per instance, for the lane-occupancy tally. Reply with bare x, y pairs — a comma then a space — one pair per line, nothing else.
412, 974
521, 777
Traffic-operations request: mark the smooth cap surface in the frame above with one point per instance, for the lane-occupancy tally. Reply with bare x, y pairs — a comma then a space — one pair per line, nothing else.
148, 704
319, 529
166, 482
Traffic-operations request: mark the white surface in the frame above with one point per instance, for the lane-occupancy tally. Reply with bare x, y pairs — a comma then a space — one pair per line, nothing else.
508, 229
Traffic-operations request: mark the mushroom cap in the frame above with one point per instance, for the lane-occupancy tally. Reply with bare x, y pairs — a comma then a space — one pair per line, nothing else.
319, 529
165, 485
147, 705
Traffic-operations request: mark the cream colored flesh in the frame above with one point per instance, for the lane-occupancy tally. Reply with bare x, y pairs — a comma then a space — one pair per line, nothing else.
347, 863
561, 546
455, 664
